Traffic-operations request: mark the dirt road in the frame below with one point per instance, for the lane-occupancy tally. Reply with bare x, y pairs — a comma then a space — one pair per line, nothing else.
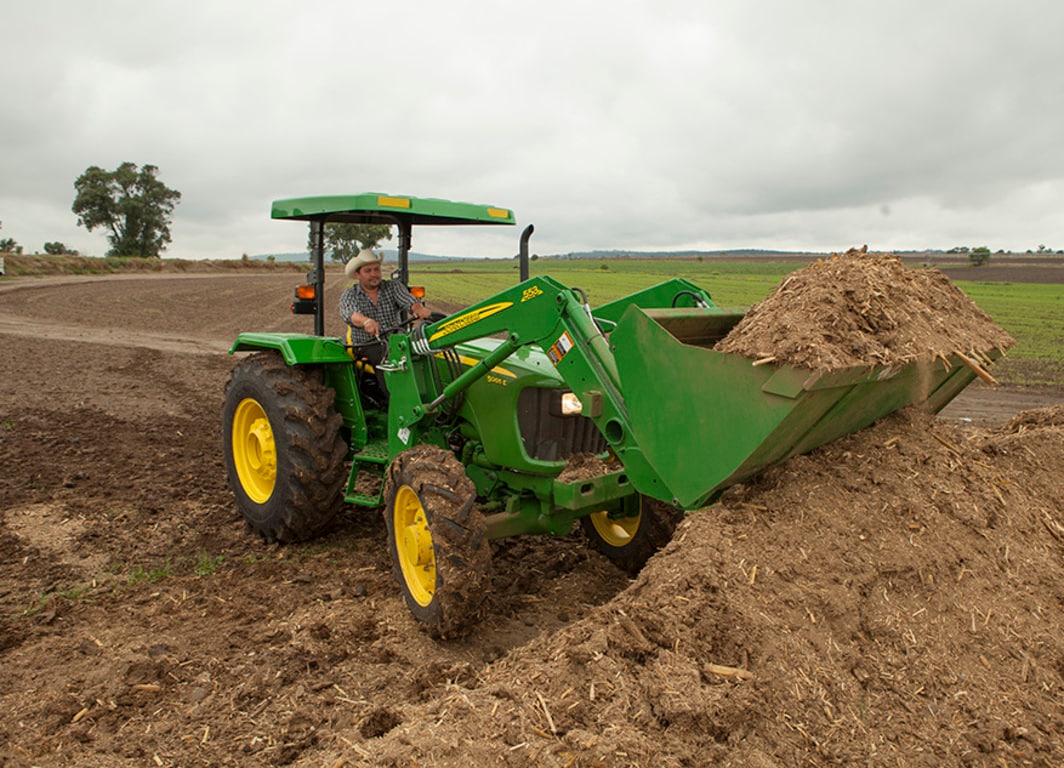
891, 599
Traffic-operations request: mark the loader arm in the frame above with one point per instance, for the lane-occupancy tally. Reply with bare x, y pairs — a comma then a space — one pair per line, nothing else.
542, 312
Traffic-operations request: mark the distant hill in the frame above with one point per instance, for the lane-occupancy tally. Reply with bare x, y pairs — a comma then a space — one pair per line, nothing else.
610, 254
281, 257
618, 254
752, 253
388, 255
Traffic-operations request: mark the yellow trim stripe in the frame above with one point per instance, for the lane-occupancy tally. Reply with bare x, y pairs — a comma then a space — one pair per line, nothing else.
499, 213
471, 361
469, 318
393, 202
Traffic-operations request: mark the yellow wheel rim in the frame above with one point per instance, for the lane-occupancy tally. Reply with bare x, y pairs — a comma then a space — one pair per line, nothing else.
615, 531
254, 451
413, 545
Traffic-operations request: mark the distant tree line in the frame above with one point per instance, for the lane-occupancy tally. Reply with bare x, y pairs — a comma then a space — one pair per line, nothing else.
980, 255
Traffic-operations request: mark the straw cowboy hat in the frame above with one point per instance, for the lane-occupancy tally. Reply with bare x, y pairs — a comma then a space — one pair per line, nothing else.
364, 257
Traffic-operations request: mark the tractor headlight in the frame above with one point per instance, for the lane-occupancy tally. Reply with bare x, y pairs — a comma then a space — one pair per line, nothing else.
571, 405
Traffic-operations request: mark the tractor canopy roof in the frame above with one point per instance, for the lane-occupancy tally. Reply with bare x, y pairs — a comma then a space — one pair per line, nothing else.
375, 208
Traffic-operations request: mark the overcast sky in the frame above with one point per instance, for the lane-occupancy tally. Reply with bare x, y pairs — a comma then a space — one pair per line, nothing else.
656, 124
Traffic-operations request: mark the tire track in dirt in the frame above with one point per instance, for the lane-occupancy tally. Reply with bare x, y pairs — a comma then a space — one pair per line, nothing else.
46, 329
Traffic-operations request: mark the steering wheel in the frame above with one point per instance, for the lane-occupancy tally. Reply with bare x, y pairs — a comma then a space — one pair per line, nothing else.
400, 326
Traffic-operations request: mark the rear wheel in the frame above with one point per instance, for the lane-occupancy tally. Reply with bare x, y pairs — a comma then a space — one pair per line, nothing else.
630, 541
437, 540
283, 450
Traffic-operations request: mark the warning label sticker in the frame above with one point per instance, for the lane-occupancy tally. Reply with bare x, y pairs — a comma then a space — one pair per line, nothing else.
560, 348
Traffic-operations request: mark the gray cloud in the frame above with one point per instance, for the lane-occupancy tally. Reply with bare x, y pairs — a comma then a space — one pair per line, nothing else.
630, 125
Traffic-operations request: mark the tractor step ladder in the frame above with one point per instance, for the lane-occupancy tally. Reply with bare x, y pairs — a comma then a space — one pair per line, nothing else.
371, 462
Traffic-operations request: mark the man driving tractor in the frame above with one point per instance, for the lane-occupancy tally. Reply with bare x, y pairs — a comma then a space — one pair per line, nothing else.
373, 305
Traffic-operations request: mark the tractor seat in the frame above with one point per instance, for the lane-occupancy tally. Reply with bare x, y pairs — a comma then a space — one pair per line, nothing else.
370, 383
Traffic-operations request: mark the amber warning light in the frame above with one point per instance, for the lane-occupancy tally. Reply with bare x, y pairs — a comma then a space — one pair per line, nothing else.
418, 292
306, 302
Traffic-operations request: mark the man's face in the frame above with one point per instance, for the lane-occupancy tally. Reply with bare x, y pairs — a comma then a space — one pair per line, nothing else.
369, 276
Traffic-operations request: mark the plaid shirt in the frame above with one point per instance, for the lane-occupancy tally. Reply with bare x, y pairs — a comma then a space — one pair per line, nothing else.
393, 299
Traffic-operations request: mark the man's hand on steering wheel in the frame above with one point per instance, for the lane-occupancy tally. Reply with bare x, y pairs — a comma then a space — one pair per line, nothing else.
372, 327
420, 312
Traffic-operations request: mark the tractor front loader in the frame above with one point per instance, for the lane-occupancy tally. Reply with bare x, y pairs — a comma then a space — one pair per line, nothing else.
489, 411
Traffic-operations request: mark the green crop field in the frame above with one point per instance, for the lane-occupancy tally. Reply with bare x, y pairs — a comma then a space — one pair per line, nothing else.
730, 283
1033, 313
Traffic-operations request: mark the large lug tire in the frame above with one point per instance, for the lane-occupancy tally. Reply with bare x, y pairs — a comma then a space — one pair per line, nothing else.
437, 540
630, 541
284, 453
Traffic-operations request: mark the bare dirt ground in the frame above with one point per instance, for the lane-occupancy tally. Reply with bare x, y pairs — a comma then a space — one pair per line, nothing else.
894, 598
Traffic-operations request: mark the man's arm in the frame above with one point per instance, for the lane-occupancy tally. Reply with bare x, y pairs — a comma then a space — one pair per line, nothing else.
353, 317
405, 299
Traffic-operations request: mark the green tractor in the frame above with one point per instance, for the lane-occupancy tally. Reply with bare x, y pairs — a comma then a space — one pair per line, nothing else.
522, 414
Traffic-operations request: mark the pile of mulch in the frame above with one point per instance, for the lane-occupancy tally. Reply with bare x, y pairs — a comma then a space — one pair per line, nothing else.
861, 308
584, 466
890, 599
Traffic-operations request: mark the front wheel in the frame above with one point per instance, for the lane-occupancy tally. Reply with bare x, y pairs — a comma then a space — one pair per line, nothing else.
631, 540
437, 540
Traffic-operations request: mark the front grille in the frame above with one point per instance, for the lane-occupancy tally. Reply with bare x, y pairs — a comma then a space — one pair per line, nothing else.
549, 436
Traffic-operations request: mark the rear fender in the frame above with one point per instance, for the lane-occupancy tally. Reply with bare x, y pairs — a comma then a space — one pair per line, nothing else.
295, 348
337, 367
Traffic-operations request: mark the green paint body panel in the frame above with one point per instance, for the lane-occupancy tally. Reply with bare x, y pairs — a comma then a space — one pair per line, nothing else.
297, 348
490, 404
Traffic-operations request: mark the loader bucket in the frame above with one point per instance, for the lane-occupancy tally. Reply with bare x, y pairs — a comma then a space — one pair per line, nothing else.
706, 420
